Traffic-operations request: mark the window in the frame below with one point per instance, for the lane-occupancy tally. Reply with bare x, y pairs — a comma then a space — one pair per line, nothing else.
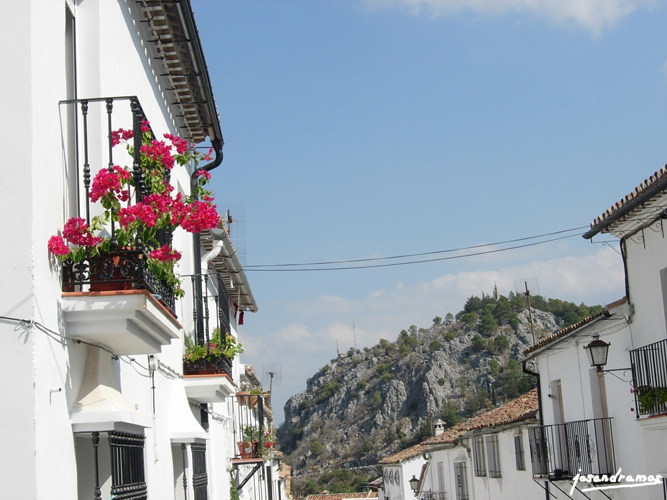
199, 476
493, 454
441, 476
127, 465
461, 481
518, 453
478, 454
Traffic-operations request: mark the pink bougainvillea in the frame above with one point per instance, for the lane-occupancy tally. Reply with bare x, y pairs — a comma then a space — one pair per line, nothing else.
57, 246
165, 254
76, 232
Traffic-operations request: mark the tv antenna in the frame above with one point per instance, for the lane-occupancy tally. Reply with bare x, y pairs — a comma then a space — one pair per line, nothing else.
235, 221
527, 287
272, 371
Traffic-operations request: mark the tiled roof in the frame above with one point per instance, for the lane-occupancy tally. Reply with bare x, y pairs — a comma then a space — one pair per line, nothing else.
343, 496
522, 408
602, 222
562, 333
402, 455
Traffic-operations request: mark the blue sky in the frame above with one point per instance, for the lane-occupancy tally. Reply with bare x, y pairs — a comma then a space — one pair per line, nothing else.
373, 128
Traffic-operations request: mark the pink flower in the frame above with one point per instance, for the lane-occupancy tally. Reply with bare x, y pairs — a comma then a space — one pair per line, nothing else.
165, 254
105, 182
57, 246
158, 151
208, 156
122, 172
205, 173
199, 215
145, 125
181, 145
76, 232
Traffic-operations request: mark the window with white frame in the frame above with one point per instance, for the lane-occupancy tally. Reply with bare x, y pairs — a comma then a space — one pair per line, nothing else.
478, 455
518, 453
493, 456
461, 481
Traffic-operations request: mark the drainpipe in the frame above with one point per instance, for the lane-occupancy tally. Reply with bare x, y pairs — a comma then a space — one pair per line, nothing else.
539, 410
199, 306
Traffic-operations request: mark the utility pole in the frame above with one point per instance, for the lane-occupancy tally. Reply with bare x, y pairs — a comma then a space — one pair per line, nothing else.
354, 334
530, 313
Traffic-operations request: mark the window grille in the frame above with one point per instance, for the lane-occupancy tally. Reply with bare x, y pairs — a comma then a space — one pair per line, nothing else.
478, 454
518, 453
493, 454
128, 481
461, 481
199, 476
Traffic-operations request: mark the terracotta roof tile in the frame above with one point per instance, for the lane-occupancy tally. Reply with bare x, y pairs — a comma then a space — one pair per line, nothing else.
343, 496
562, 333
402, 455
657, 177
522, 408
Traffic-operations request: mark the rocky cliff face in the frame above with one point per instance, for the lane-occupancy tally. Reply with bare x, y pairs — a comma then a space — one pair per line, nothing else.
368, 404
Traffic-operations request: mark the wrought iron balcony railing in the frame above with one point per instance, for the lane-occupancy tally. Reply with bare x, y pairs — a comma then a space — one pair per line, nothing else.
121, 268
561, 451
649, 375
433, 495
213, 290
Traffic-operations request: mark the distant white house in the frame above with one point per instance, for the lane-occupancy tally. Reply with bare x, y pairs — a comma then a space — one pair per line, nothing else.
484, 457
398, 469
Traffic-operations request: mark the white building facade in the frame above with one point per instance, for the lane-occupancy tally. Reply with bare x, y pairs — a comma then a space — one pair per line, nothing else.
612, 416
97, 401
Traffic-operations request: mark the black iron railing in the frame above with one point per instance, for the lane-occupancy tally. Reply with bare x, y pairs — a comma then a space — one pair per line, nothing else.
205, 327
649, 375
222, 301
433, 495
120, 266
120, 269
199, 476
561, 451
127, 466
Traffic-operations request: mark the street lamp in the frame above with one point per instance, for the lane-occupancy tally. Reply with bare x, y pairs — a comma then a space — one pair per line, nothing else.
414, 483
597, 352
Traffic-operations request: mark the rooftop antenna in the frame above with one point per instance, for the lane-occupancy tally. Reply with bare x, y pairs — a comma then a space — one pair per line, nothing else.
272, 370
530, 286
235, 221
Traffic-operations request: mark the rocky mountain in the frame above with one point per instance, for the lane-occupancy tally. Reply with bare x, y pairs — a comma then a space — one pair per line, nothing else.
366, 405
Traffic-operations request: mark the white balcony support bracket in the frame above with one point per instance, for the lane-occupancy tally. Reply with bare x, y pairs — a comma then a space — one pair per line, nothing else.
100, 406
127, 322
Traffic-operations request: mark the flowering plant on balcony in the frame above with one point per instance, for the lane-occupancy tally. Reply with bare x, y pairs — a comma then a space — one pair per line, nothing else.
215, 348
123, 224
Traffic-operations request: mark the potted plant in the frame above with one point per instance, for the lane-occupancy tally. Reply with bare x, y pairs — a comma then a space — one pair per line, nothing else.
255, 392
268, 443
210, 358
249, 444
128, 237
243, 395
650, 399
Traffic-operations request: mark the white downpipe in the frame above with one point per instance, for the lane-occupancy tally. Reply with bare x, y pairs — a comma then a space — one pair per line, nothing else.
211, 254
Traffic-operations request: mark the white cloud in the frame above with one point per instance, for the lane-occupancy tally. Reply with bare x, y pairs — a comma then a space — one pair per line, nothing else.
592, 14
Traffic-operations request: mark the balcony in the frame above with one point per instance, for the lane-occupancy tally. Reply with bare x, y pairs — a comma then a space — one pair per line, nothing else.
110, 294
207, 367
649, 375
561, 451
433, 495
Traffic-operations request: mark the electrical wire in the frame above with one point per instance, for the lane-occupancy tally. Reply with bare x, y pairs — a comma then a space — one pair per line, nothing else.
405, 256
393, 264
